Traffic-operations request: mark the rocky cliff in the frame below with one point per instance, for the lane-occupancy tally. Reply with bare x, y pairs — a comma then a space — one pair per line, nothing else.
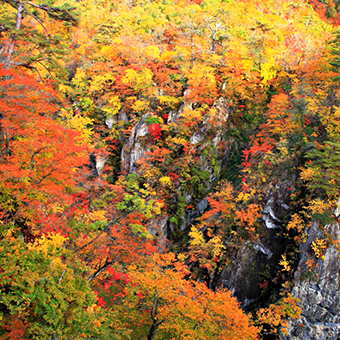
317, 289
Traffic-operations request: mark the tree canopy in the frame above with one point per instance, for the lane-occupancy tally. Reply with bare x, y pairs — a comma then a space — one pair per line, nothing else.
140, 142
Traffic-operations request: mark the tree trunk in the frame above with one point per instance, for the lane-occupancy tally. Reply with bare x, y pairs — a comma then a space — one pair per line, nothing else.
14, 36
153, 329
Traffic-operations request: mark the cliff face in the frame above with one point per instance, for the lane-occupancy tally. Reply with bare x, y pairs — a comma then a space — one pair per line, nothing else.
318, 291
134, 148
255, 261
210, 161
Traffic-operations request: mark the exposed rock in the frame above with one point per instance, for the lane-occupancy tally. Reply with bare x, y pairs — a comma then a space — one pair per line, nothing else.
158, 228
258, 259
196, 138
173, 116
317, 291
134, 148
110, 121
260, 247
92, 165
243, 275
222, 110
100, 163
277, 205
202, 205
97, 163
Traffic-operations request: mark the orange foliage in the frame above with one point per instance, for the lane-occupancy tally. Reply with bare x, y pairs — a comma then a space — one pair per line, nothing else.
40, 157
159, 300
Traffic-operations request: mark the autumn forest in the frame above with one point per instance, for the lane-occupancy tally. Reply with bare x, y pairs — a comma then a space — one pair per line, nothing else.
169, 169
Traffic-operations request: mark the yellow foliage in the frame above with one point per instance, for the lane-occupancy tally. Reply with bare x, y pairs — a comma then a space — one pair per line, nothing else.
196, 236
285, 263
148, 190
319, 246
268, 70
150, 173
138, 79
242, 197
199, 71
226, 191
296, 223
91, 217
79, 123
275, 314
48, 245
98, 215
192, 115
57, 208
318, 206
100, 82
176, 141
107, 51
64, 88
307, 173
165, 181
282, 147
158, 206
182, 257
80, 77
331, 121
152, 52
217, 246
140, 106
169, 101
205, 251
113, 107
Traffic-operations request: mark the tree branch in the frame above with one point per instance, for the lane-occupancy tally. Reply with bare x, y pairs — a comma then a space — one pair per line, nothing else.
14, 35
54, 12
99, 270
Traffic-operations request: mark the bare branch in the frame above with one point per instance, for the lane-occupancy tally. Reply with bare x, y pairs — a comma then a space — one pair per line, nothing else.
99, 270
61, 277
45, 30
34, 154
14, 35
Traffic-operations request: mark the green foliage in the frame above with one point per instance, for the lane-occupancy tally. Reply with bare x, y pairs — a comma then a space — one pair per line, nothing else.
152, 120
43, 286
325, 167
